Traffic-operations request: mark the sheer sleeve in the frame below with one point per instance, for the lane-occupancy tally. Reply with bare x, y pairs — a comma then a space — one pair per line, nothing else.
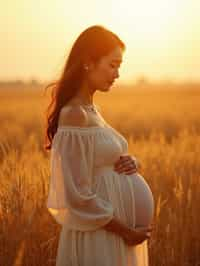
71, 200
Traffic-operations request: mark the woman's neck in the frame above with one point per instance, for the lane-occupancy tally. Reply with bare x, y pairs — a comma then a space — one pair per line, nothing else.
84, 95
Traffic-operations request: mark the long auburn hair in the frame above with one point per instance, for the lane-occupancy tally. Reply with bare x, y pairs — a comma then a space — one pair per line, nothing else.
92, 44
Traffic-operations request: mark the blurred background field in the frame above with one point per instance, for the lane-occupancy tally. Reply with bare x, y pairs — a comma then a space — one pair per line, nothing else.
162, 125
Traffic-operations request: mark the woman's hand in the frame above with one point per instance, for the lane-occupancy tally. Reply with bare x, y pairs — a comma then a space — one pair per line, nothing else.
130, 236
127, 164
137, 236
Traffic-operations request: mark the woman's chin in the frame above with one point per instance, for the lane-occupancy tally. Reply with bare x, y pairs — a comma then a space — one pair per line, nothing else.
105, 88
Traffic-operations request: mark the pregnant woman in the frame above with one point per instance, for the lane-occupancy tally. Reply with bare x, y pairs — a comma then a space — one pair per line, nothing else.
104, 205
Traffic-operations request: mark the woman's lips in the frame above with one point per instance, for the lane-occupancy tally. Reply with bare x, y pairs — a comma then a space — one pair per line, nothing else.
111, 82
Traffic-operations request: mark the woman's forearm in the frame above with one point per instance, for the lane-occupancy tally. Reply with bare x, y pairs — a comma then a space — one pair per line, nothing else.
116, 226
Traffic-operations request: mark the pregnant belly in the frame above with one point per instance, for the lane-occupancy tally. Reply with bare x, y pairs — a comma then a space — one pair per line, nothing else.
144, 202
130, 195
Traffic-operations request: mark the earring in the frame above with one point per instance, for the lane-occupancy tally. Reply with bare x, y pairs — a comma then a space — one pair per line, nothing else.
86, 67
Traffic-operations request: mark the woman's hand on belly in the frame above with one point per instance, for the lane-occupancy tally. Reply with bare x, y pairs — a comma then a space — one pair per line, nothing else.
127, 164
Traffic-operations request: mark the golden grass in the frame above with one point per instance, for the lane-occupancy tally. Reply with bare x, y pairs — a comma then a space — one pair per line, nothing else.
163, 131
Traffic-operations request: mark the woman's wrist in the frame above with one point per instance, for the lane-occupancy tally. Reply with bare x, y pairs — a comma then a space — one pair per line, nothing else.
116, 226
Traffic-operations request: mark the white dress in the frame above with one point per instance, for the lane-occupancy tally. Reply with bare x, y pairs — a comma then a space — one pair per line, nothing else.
85, 192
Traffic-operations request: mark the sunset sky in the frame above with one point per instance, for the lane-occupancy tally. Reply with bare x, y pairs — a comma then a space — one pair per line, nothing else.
162, 36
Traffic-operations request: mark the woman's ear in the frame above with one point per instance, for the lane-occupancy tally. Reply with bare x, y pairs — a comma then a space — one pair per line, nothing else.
88, 64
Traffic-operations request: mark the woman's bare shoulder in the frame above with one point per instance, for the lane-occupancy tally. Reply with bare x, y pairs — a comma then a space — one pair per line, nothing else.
73, 115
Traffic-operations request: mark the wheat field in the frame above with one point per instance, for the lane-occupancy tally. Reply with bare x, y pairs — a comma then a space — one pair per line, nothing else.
162, 126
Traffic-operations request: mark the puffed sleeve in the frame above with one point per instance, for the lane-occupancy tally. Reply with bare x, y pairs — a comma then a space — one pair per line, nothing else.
71, 200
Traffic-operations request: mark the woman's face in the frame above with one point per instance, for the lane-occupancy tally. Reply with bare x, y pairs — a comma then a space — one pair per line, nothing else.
102, 74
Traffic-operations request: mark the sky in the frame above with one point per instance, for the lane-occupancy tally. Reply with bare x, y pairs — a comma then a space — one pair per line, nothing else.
162, 37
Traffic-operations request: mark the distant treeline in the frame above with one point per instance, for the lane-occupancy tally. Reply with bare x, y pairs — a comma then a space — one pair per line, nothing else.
141, 82
20, 83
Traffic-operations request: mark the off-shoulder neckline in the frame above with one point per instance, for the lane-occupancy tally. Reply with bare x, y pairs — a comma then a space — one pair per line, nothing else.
90, 128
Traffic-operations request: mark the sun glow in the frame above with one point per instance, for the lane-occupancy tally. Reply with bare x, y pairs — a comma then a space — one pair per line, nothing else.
162, 36
145, 20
